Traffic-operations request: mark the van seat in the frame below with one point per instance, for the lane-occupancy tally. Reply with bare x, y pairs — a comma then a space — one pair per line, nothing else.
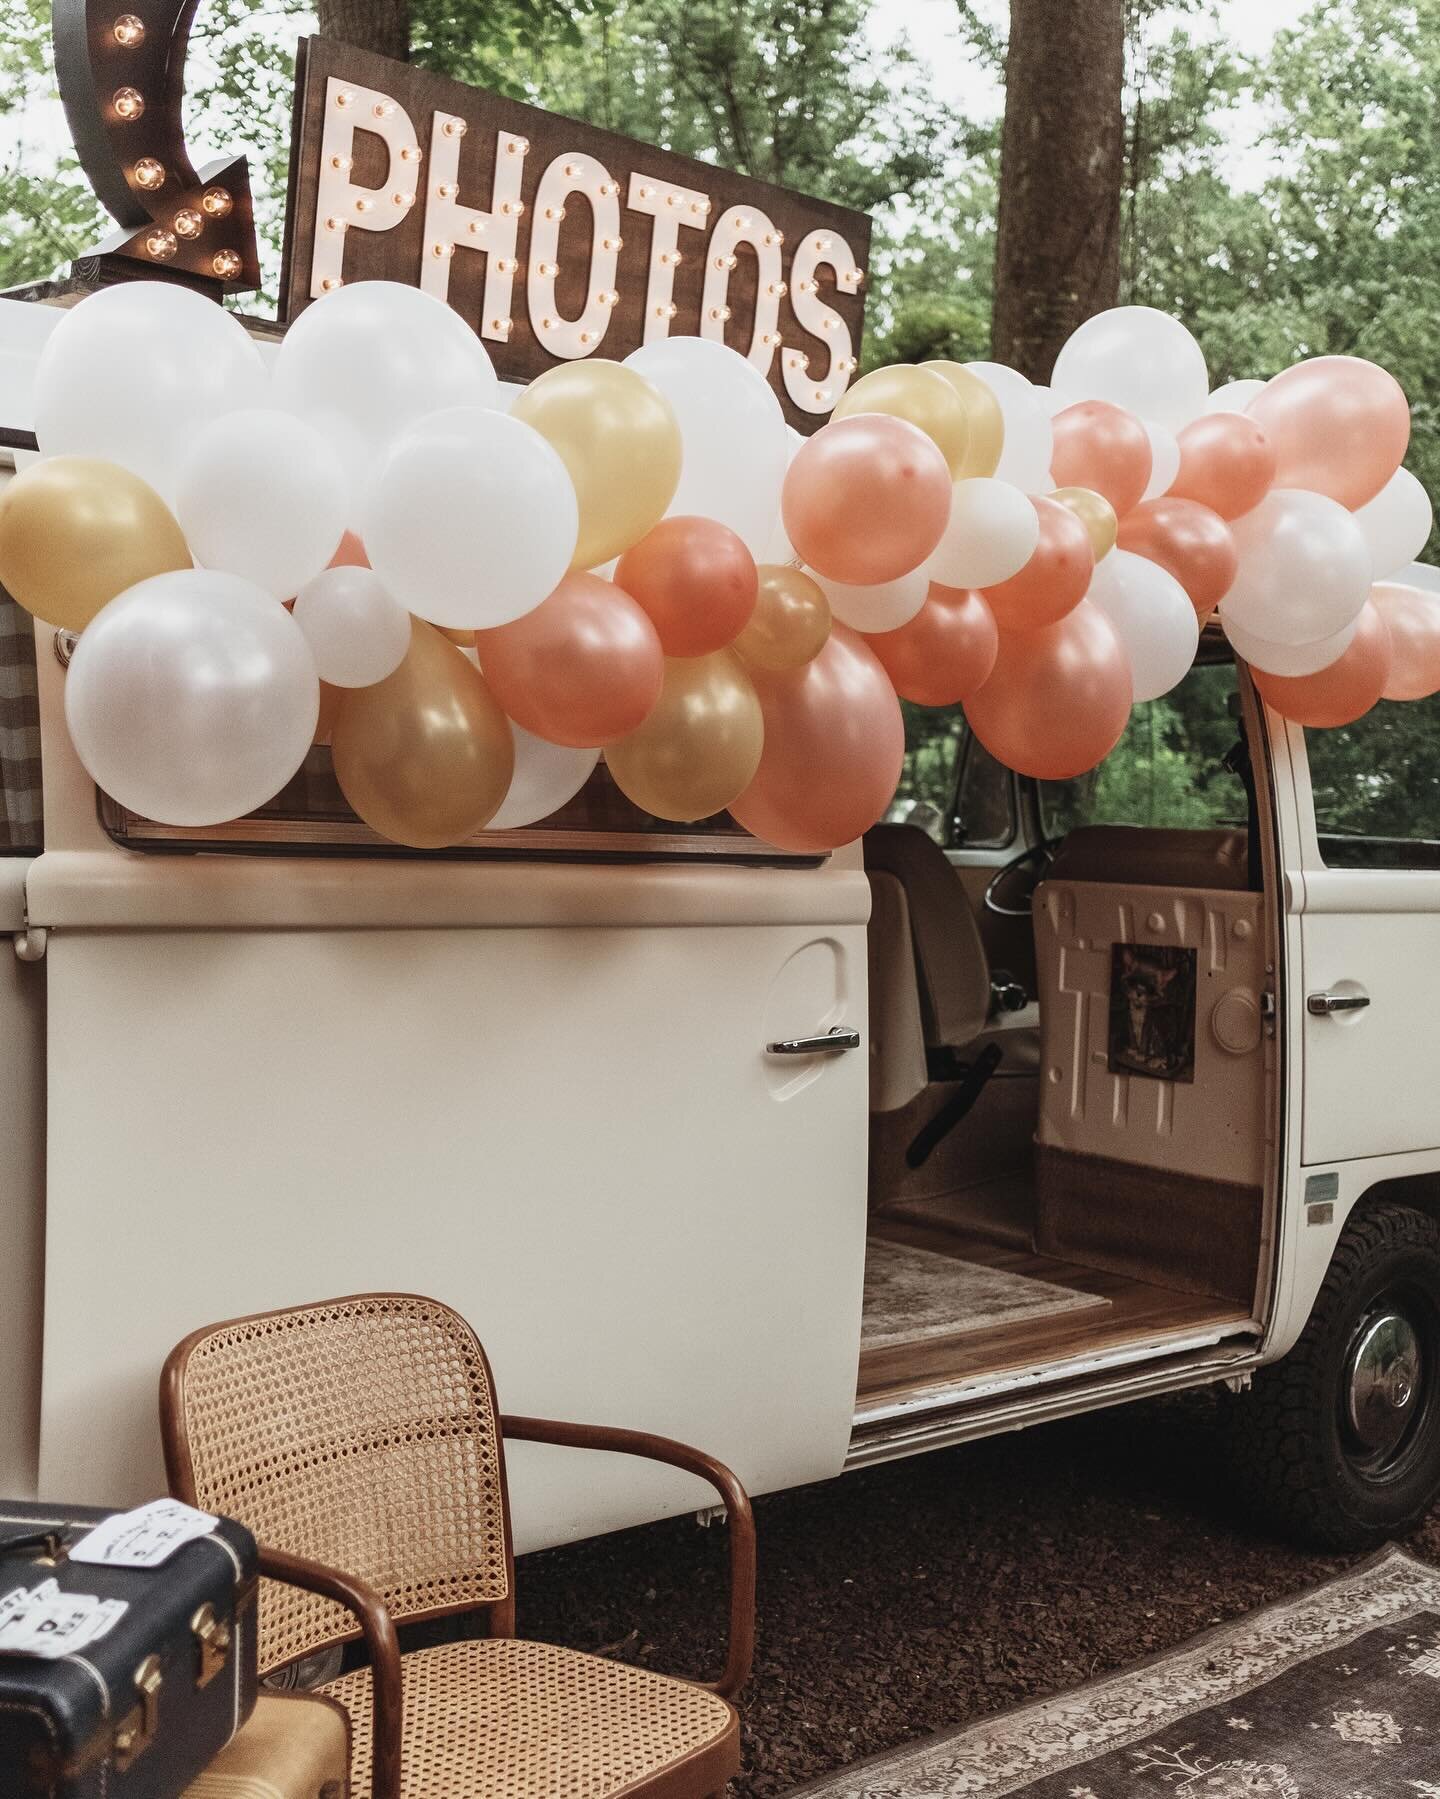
1135, 854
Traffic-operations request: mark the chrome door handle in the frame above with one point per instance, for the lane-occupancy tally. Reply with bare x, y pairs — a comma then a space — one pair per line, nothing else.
1320, 1005
838, 1037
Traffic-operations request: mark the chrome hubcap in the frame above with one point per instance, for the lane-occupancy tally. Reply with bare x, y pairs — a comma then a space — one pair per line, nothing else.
1383, 1382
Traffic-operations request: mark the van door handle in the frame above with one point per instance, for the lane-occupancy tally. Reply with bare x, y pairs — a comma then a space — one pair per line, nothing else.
1320, 1005
839, 1037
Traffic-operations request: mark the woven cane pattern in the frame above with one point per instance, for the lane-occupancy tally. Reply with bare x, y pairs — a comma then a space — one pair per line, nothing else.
360, 1434
504, 1719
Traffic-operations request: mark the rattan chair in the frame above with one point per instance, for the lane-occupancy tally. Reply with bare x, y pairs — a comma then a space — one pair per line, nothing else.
362, 1435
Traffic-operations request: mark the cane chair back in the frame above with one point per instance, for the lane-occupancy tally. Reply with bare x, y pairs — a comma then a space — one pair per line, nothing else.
361, 1433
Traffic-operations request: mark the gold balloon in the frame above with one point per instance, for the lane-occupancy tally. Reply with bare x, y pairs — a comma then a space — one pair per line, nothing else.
700, 747
75, 531
790, 623
426, 755
1095, 512
983, 414
330, 698
617, 436
920, 398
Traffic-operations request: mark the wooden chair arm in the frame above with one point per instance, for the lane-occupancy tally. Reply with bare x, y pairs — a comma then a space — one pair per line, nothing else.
741, 1644
378, 1631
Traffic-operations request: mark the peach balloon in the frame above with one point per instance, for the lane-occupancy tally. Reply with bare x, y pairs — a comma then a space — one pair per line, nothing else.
1104, 448
350, 554
1226, 463
1058, 700
695, 579
790, 623
1340, 426
1053, 580
1189, 541
583, 669
1344, 691
834, 748
866, 499
1413, 618
945, 652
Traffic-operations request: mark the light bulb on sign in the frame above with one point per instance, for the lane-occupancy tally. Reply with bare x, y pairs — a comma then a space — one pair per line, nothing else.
403, 199
216, 202
513, 209
447, 190
188, 223
517, 146
128, 102
454, 127
383, 109
340, 163
149, 173
344, 98
445, 250
128, 31
226, 264
330, 283
411, 153
161, 245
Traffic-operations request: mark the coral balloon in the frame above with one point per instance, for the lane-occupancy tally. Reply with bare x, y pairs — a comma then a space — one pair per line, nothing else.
1095, 512
1057, 700
1189, 541
923, 399
75, 531
866, 499
1053, 580
350, 554
1344, 691
695, 579
834, 748
984, 420
1340, 426
425, 756
618, 437
700, 747
1413, 620
945, 653
1226, 463
790, 623
1100, 447
583, 669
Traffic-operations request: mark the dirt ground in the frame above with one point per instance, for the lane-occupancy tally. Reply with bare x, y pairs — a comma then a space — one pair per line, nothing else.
919, 1595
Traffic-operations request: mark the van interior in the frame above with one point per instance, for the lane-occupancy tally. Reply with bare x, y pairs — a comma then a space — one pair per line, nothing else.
1073, 1068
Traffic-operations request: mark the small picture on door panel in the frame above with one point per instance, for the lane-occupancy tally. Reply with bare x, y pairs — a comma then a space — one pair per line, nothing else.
1152, 1011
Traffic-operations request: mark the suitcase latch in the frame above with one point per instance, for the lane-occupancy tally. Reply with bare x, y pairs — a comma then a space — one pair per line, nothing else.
213, 1639
137, 1730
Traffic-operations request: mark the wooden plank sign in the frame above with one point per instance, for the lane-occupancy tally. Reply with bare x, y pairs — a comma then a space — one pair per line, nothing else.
556, 239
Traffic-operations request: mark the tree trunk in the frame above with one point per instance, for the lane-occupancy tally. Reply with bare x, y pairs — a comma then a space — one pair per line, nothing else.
1057, 251
379, 25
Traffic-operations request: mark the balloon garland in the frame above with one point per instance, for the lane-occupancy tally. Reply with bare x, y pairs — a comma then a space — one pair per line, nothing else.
359, 545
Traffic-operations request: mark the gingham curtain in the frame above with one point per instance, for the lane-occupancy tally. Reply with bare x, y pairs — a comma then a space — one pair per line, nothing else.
20, 808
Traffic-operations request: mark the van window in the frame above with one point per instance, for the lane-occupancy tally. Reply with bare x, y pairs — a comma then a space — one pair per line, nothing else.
1377, 787
21, 819
934, 739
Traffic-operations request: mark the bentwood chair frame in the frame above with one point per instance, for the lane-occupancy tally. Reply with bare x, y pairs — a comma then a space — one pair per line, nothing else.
246, 1428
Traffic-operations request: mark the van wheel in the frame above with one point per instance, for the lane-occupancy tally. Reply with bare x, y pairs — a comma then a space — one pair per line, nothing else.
1339, 1443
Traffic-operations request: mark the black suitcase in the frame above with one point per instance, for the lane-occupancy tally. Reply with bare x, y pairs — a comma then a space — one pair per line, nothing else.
138, 1713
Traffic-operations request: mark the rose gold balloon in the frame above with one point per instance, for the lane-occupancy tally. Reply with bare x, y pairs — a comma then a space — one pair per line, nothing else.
1226, 463
700, 747
1340, 426
834, 748
1345, 691
330, 698
1058, 700
945, 652
866, 499
1413, 618
1189, 541
1053, 580
583, 669
351, 553
790, 622
1104, 448
696, 580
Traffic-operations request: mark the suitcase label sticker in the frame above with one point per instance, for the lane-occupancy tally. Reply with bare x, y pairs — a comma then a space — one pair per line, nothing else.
44, 1621
145, 1537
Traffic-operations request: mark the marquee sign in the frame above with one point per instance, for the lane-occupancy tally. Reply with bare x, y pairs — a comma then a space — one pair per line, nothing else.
559, 240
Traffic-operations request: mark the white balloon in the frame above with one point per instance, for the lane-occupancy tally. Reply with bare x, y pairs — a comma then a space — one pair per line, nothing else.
884, 607
1152, 615
357, 630
133, 372
372, 358
1136, 357
735, 445
261, 495
1029, 435
192, 697
1233, 396
1164, 461
1288, 658
1422, 575
1396, 524
1304, 568
778, 547
991, 535
473, 520
546, 776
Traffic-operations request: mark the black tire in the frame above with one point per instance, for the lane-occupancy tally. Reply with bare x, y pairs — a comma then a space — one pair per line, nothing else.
1299, 1457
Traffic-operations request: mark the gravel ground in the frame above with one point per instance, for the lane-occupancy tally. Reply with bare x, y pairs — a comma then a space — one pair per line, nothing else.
916, 1596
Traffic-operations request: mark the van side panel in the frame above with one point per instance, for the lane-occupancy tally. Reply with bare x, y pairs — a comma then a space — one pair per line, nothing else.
22, 1191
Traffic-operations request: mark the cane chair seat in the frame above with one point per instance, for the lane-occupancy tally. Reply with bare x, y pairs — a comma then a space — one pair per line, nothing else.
502, 1718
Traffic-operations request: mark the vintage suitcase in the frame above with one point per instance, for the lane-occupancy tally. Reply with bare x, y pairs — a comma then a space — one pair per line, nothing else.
296, 1746
138, 1710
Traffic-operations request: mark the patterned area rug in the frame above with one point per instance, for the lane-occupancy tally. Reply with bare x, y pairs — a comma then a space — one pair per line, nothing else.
912, 1294
1333, 1695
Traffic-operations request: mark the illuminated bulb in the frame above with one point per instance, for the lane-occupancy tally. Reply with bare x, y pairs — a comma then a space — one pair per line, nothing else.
502, 326
555, 212
805, 287
724, 262
442, 250
770, 339
517, 146
607, 188
334, 224
383, 108
161, 245
216, 202
403, 199
672, 199
742, 223
128, 102
344, 98
719, 312
700, 206
774, 237
570, 171
548, 269
330, 283
845, 364
454, 127
340, 162
128, 31
149, 173
647, 193
512, 208
856, 276
614, 243
447, 190
822, 395
546, 324
829, 324
606, 298
672, 258
778, 288
822, 243
584, 337
506, 264
188, 222
226, 264
476, 227
411, 153
363, 205
666, 312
